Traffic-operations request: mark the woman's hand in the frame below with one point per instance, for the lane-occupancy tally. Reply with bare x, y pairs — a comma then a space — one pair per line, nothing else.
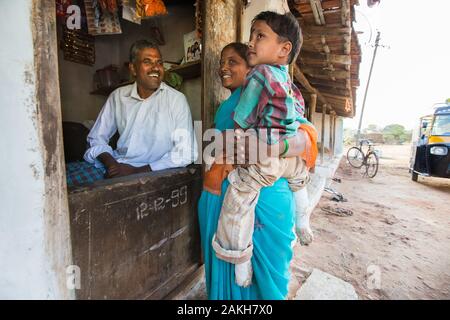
296, 146
249, 149
235, 148
245, 148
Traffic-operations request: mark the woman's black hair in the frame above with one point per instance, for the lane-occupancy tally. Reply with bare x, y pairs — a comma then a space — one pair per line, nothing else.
240, 48
286, 27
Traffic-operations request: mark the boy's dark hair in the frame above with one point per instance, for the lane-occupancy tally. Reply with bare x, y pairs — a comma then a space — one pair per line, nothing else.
138, 46
286, 27
240, 48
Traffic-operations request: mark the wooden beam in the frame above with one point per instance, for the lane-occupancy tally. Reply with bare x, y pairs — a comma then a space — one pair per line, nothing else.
330, 16
355, 82
312, 106
345, 20
303, 7
335, 97
314, 11
345, 14
322, 138
334, 58
344, 102
300, 77
326, 30
326, 74
326, 49
331, 134
317, 11
220, 19
239, 14
334, 91
43, 101
340, 84
321, 61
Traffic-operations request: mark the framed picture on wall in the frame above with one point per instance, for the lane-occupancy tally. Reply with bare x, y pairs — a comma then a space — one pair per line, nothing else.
192, 46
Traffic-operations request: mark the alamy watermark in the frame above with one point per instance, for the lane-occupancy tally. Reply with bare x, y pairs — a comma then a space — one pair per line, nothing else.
232, 146
373, 277
74, 20
73, 277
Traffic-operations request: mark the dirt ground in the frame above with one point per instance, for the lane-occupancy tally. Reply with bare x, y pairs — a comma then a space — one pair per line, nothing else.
396, 245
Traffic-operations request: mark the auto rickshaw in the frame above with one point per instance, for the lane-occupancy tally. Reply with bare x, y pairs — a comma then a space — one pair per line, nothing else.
430, 156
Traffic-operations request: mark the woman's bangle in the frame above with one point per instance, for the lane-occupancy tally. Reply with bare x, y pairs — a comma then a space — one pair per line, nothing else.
286, 147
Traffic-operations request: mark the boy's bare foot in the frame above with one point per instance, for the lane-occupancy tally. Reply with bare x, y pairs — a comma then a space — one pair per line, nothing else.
305, 235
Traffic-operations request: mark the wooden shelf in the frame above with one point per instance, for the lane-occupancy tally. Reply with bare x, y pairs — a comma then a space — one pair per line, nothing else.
188, 70
107, 90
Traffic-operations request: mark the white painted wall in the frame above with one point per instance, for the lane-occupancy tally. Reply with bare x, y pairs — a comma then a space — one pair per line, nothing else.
76, 81
339, 131
339, 145
25, 270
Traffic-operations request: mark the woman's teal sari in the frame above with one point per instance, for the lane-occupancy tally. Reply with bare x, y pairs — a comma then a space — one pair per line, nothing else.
272, 238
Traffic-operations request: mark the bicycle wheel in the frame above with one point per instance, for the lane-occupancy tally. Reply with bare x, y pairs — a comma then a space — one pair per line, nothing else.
372, 164
355, 157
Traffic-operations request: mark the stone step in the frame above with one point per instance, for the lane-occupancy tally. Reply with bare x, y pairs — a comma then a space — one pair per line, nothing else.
323, 286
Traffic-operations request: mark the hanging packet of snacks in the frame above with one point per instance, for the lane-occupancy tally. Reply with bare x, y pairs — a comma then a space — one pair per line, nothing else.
102, 17
129, 11
150, 8
61, 7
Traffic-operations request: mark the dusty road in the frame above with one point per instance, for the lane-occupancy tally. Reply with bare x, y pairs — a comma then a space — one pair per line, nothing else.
396, 245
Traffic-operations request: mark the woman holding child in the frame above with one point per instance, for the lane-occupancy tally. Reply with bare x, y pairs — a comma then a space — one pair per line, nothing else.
273, 234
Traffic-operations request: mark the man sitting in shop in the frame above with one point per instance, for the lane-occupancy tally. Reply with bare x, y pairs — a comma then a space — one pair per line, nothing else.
153, 120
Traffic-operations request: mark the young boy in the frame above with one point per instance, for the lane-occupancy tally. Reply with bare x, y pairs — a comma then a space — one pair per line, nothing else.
270, 103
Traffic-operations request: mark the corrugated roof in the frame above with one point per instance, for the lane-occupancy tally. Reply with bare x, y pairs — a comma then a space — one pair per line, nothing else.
328, 64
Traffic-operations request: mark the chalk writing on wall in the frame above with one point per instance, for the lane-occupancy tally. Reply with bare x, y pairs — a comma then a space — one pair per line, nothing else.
176, 198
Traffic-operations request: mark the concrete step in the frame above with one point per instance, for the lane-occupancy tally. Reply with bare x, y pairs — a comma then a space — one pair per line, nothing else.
323, 286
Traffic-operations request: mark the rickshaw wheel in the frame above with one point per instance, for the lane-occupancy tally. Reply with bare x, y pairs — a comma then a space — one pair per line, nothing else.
414, 176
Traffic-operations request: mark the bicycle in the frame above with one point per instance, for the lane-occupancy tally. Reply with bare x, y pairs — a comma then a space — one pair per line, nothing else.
357, 158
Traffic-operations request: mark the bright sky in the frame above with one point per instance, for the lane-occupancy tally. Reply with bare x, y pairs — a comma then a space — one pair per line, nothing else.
413, 73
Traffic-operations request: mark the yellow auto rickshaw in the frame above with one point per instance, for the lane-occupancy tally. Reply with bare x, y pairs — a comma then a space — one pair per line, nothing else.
430, 156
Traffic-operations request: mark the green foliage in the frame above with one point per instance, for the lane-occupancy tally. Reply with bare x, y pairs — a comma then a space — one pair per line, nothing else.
391, 134
349, 136
371, 128
396, 134
173, 79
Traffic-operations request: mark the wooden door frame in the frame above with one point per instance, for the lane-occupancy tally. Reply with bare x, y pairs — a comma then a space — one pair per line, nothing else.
49, 123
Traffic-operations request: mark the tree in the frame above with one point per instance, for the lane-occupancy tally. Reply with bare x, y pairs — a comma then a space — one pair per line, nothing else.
372, 128
349, 136
396, 134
